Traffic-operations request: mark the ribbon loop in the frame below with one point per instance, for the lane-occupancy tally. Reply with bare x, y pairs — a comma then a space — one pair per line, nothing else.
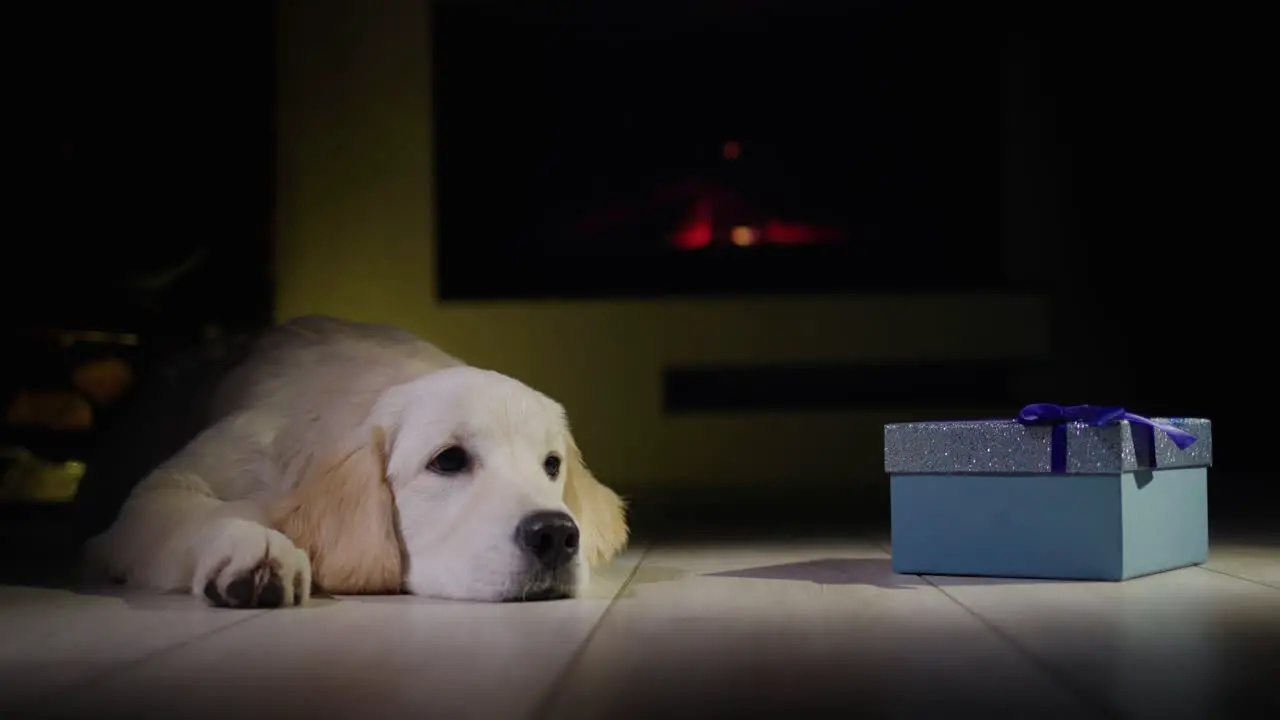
1059, 416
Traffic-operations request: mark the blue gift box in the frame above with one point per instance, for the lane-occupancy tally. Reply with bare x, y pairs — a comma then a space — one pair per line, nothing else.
1065, 493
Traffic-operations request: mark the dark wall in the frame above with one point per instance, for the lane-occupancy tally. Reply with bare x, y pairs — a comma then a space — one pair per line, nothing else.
144, 145
1153, 119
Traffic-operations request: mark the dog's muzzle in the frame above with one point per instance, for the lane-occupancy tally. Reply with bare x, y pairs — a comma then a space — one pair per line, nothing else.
549, 541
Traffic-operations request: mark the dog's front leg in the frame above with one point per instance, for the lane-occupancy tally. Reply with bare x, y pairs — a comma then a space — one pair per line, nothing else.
176, 534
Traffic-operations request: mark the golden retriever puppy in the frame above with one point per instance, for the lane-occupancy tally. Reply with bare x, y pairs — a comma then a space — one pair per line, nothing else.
361, 459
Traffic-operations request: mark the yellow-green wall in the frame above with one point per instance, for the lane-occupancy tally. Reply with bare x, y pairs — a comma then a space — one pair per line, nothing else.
355, 238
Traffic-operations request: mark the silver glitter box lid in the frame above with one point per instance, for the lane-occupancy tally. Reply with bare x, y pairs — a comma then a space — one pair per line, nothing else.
1006, 446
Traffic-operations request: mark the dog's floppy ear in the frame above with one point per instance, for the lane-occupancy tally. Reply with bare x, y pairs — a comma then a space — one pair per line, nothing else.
343, 514
600, 513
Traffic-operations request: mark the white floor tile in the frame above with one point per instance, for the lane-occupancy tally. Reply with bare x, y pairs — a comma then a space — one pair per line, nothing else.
1184, 644
1259, 563
367, 657
766, 629
54, 639
800, 631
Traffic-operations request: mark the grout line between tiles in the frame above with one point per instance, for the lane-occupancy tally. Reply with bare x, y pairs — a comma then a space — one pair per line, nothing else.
543, 708
103, 675
1239, 577
1087, 700
1080, 694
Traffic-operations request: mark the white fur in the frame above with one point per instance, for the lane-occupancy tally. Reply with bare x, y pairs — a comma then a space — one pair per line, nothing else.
316, 386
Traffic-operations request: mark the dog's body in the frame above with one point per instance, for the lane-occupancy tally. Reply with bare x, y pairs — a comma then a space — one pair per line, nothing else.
365, 460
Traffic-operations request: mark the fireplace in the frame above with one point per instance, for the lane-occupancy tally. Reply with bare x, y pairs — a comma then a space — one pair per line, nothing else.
596, 150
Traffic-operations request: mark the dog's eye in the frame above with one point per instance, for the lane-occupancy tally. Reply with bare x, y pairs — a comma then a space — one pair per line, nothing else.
552, 466
450, 461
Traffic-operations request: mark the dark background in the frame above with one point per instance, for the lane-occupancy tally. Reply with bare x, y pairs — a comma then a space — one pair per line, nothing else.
879, 119
1141, 129
142, 142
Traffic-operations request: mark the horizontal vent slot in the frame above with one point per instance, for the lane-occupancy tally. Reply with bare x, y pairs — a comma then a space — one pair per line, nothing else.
689, 390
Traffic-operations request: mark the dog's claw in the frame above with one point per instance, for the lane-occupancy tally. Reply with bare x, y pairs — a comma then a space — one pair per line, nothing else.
259, 587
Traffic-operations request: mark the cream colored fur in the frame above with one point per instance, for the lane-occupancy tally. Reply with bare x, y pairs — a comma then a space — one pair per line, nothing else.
315, 469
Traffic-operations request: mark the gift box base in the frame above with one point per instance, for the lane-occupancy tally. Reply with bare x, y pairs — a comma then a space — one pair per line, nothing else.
1055, 527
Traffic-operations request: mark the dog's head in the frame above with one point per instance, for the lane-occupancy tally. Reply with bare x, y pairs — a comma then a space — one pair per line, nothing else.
461, 484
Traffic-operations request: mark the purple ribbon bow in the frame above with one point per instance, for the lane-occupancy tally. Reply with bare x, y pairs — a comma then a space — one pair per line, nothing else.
1095, 416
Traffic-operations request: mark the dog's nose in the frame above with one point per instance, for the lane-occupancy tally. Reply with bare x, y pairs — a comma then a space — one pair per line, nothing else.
550, 536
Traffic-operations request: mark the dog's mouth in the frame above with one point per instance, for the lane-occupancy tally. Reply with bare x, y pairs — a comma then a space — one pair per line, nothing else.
543, 586
540, 595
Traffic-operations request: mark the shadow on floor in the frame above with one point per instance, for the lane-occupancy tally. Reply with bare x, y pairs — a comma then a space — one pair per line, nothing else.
832, 571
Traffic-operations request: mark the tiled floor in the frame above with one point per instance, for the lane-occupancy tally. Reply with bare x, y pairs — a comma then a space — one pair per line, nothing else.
802, 629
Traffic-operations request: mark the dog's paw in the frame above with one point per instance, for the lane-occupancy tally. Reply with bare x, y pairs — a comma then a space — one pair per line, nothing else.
247, 565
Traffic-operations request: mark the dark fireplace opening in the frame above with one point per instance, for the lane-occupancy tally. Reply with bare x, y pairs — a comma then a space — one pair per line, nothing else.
590, 150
